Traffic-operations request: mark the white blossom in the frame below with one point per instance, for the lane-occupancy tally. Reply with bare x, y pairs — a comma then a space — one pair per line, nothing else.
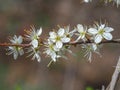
101, 32
51, 50
59, 38
16, 50
33, 36
81, 32
69, 33
89, 49
35, 53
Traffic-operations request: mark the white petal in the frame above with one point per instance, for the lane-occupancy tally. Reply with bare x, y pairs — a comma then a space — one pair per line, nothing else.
12, 41
65, 39
59, 44
21, 52
20, 39
98, 38
67, 29
108, 29
78, 39
53, 56
15, 55
34, 43
101, 27
61, 32
37, 57
107, 36
52, 35
80, 28
94, 47
56, 49
39, 32
92, 31
72, 32
83, 36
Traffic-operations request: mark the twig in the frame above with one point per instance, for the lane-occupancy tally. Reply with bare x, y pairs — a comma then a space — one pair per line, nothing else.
70, 43
20, 45
114, 77
87, 42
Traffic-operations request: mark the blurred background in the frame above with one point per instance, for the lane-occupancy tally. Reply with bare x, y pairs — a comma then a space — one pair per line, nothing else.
76, 73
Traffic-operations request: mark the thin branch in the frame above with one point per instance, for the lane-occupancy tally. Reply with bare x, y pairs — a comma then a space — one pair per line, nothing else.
115, 77
70, 43
19, 45
87, 42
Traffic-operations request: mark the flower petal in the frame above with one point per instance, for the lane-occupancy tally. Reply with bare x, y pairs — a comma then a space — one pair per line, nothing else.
67, 29
101, 26
61, 32
92, 31
59, 44
20, 39
80, 28
37, 57
34, 43
39, 32
108, 29
53, 56
21, 52
15, 54
98, 38
107, 36
56, 49
94, 47
52, 34
65, 39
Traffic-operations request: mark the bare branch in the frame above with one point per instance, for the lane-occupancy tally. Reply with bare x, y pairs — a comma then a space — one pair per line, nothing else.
70, 43
114, 77
87, 42
20, 45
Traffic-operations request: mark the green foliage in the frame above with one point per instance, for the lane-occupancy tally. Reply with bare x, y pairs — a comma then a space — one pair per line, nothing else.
89, 88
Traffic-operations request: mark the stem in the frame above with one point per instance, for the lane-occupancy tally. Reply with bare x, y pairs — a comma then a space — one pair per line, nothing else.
115, 76
70, 43
20, 45
87, 42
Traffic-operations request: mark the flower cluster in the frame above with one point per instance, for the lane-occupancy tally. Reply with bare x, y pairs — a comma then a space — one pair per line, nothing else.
60, 41
106, 1
16, 50
100, 32
55, 42
34, 36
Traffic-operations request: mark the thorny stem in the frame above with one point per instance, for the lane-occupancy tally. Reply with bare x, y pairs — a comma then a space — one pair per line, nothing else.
70, 43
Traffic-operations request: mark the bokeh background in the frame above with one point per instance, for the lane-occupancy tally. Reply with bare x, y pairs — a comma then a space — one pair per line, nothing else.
76, 73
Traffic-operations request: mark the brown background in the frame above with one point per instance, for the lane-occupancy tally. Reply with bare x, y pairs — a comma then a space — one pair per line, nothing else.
76, 73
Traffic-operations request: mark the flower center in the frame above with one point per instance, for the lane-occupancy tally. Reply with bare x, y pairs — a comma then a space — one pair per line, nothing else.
35, 37
82, 33
51, 47
101, 31
58, 38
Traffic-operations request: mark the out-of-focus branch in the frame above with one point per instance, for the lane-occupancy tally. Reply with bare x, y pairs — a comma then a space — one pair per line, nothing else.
114, 77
